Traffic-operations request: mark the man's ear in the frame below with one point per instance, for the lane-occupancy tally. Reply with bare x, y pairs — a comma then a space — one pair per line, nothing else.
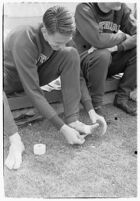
44, 32
43, 29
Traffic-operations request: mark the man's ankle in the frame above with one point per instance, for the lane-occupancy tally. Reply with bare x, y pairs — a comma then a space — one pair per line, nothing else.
98, 110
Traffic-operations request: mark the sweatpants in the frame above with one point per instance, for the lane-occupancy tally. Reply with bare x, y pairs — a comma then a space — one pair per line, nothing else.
100, 64
66, 64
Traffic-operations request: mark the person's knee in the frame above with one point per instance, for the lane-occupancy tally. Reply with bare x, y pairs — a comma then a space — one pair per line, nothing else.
70, 53
104, 56
99, 60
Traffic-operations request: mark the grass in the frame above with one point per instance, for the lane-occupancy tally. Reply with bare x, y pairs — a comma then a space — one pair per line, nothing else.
104, 166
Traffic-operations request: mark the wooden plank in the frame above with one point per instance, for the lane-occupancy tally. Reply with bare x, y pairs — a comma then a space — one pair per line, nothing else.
111, 84
108, 99
17, 103
27, 115
21, 100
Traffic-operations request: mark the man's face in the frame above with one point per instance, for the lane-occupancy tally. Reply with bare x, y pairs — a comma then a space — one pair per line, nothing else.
113, 6
56, 41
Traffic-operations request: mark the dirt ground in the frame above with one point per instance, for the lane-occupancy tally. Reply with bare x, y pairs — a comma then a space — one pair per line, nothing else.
104, 166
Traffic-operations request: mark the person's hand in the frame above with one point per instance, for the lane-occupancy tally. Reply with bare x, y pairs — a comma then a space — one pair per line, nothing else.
92, 49
113, 49
72, 136
122, 35
95, 118
128, 36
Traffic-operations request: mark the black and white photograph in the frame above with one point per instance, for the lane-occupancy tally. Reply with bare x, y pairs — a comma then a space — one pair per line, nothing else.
69, 97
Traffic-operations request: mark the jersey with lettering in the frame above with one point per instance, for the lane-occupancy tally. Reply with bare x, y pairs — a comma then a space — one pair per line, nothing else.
101, 30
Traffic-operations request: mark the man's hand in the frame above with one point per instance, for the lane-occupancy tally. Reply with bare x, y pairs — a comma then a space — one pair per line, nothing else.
95, 118
72, 136
128, 36
113, 49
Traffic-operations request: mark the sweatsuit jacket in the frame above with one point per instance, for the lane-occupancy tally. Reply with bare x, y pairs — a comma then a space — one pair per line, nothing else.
25, 50
100, 30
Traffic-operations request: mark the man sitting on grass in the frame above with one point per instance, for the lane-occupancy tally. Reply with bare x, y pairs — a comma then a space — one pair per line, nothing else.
35, 56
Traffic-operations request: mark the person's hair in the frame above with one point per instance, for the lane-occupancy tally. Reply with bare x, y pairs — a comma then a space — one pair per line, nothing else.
58, 19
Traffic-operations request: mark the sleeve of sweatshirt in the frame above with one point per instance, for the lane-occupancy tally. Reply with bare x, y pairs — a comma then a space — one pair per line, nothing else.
24, 56
88, 27
128, 26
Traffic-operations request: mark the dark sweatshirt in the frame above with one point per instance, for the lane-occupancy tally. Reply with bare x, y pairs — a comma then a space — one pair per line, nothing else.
100, 30
24, 51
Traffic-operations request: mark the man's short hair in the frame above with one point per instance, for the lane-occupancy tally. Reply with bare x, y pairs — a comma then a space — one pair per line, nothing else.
58, 19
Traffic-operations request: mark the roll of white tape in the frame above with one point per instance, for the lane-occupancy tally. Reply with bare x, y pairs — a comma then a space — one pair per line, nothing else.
39, 149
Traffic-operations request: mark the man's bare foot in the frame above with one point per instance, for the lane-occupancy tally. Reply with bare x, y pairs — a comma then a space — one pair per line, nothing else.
83, 128
72, 136
100, 120
14, 158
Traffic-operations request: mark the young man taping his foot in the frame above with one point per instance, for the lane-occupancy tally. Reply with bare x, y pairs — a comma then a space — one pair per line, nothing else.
33, 57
